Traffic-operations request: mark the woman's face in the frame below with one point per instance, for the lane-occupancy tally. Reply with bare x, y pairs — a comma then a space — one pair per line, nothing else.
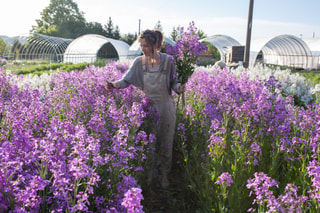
145, 47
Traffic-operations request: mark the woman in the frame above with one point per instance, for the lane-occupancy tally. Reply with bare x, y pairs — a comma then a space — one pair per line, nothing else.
154, 73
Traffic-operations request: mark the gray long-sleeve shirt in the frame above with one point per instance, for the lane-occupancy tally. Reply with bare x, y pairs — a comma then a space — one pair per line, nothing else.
135, 73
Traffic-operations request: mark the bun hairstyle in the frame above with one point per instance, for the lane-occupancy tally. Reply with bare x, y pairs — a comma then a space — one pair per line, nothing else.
152, 37
160, 38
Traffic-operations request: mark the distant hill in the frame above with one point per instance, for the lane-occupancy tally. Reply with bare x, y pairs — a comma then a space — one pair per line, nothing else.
11, 40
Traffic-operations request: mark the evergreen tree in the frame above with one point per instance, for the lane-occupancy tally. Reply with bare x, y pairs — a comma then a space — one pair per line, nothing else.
116, 33
109, 28
201, 34
129, 38
175, 34
158, 26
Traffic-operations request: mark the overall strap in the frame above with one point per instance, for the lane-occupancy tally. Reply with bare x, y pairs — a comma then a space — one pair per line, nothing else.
165, 62
144, 64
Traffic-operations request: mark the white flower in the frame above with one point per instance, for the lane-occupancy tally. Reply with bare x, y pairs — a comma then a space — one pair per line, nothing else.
316, 89
32, 81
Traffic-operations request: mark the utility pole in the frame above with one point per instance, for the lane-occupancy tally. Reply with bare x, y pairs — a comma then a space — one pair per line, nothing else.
139, 26
248, 40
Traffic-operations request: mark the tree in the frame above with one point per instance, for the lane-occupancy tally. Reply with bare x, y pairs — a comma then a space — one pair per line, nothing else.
201, 34
116, 33
111, 31
70, 29
129, 38
16, 48
2, 47
213, 51
109, 28
61, 16
175, 34
95, 28
158, 26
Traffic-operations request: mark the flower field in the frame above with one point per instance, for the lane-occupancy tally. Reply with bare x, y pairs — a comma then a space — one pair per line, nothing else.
246, 140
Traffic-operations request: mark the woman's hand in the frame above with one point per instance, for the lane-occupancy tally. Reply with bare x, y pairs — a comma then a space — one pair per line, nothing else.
181, 88
115, 85
109, 86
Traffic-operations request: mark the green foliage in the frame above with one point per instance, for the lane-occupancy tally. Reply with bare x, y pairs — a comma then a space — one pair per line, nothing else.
210, 57
103, 62
284, 67
32, 68
109, 28
54, 66
175, 34
70, 29
116, 33
213, 51
129, 38
95, 28
62, 18
111, 31
2, 47
57, 18
158, 26
201, 34
15, 48
38, 68
313, 76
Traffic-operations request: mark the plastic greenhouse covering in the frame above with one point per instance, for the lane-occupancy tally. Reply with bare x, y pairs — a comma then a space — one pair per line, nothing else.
221, 42
314, 45
284, 50
91, 47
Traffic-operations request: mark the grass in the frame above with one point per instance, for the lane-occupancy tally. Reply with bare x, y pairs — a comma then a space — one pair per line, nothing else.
313, 75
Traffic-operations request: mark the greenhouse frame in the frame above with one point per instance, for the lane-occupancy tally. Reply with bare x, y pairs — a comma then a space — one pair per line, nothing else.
37, 47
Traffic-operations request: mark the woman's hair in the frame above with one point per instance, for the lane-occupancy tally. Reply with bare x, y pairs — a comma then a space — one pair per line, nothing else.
160, 38
152, 37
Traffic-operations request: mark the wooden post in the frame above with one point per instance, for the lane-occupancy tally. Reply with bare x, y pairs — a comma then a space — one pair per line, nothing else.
248, 40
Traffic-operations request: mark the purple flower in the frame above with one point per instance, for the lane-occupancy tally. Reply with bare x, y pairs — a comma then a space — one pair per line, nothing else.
260, 185
291, 201
224, 179
185, 52
314, 174
132, 200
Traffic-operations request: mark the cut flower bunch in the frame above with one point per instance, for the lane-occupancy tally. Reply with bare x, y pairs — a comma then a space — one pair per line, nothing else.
185, 53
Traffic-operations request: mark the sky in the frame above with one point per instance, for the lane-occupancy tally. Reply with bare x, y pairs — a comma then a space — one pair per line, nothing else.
227, 17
